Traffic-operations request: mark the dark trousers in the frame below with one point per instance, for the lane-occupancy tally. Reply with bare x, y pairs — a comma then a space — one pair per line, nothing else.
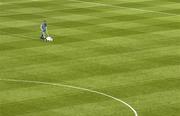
43, 35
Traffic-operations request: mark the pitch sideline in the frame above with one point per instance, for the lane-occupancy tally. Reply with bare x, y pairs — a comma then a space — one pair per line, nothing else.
73, 87
165, 13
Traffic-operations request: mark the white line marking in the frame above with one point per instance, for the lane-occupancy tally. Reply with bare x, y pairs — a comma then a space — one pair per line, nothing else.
101, 4
127, 7
74, 87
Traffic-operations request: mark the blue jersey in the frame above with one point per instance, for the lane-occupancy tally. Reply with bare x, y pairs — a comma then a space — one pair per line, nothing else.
43, 27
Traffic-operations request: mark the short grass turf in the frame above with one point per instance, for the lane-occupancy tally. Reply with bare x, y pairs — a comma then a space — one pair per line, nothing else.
129, 49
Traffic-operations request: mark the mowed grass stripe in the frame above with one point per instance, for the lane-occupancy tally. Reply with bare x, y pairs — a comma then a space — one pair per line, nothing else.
79, 58
52, 102
33, 91
13, 86
139, 6
158, 87
83, 39
64, 71
91, 50
128, 78
166, 99
65, 57
99, 108
153, 29
146, 60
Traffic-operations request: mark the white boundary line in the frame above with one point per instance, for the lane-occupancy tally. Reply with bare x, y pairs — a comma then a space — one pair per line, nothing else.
126, 7
104, 5
74, 87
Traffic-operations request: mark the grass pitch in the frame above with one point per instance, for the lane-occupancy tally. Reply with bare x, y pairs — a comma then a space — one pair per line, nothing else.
126, 48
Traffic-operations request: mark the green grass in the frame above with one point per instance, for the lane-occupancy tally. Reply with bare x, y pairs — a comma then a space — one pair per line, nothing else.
129, 49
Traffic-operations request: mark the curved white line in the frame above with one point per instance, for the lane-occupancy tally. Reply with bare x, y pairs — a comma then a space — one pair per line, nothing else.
74, 87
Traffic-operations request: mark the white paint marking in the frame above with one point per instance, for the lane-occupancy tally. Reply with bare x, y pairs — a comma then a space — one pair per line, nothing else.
101, 5
74, 87
85, 89
127, 7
